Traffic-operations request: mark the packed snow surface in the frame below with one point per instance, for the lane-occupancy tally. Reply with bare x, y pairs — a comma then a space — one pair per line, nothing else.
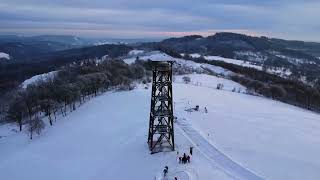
36, 78
4, 55
272, 139
239, 137
98, 141
209, 81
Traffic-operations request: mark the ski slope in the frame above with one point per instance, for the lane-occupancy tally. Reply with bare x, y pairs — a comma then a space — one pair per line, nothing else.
240, 137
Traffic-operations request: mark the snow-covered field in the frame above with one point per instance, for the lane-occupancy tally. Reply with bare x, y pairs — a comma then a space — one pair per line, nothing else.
232, 61
227, 60
274, 140
241, 137
98, 141
4, 56
277, 71
40, 77
209, 81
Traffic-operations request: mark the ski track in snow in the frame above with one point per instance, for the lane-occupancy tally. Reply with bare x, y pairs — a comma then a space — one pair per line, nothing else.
214, 155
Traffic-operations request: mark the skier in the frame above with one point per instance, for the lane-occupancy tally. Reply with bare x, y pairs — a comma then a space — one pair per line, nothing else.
178, 157
191, 150
188, 159
205, 109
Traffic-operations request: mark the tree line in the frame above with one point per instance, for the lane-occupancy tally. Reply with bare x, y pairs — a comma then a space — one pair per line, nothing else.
73, 85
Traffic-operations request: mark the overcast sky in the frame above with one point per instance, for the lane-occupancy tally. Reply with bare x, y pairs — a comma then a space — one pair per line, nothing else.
289, 19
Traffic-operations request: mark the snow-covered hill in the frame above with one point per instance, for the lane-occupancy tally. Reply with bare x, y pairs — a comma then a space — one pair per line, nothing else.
241, 137
272, 139
4, 56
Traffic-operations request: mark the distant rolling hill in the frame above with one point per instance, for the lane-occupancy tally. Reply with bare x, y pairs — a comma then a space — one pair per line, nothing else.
301, 58
13, 73
22, 48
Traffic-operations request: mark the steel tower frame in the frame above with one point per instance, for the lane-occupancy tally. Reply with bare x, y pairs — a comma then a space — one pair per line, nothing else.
161, 131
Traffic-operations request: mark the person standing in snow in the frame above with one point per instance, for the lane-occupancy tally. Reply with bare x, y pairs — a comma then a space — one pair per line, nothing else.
205, 110
188, 159
191, 150
184, 158
165, 171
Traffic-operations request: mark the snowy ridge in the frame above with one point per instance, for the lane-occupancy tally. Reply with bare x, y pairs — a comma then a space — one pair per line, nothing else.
4, 56
179, 63
154, 56
40, 77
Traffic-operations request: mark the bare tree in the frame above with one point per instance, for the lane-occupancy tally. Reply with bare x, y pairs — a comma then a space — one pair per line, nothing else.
49, 107
17, 111
35, 125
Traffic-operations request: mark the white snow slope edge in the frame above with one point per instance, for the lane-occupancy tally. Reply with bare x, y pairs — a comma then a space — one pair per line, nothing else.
4, 55
39, 77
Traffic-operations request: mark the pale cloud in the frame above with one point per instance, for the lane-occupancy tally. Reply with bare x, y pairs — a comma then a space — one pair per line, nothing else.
291, 19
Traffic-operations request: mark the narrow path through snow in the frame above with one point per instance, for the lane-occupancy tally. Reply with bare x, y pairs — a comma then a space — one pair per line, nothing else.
214, 155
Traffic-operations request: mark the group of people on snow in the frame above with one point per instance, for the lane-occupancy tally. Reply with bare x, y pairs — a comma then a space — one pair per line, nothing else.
182, 160
185, 158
